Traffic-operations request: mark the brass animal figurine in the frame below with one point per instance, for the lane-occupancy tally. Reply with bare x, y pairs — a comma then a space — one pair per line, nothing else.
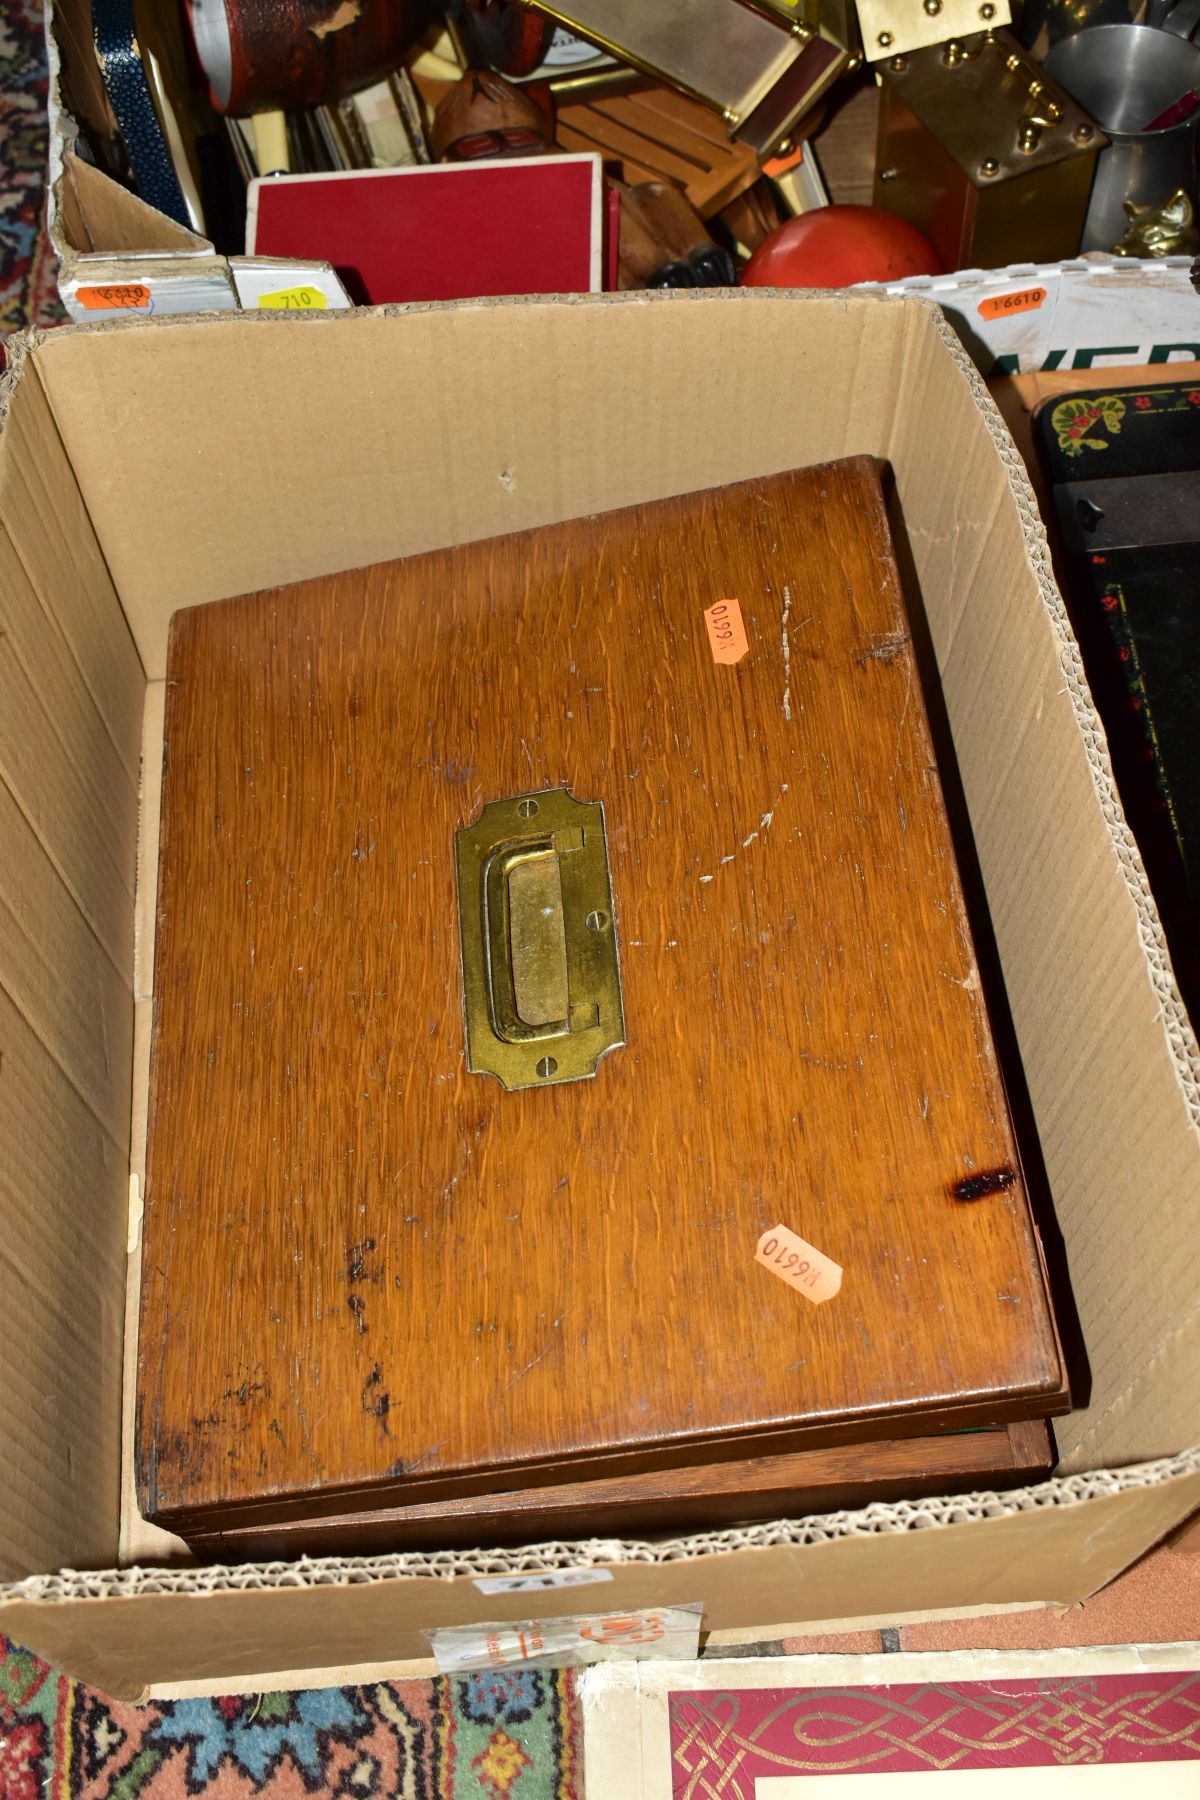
1167, 230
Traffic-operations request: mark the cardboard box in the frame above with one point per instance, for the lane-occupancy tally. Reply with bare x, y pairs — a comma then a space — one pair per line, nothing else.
117, 255
1037, 317
150, 465
958, 1725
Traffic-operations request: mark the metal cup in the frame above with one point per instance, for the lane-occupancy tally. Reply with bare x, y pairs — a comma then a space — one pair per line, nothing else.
1125, 76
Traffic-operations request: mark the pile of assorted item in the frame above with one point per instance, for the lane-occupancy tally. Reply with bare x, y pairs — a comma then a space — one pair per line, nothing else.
738, 141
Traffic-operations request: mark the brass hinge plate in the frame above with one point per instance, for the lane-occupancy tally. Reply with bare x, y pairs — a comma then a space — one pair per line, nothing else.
894, 27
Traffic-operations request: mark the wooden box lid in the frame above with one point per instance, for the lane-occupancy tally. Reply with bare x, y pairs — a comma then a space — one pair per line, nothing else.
370, 1274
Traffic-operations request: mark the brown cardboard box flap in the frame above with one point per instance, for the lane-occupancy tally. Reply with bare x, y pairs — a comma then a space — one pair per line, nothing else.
129, 1630
97, 217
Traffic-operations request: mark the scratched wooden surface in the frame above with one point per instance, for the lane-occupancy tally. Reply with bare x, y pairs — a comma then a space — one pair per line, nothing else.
369, 1272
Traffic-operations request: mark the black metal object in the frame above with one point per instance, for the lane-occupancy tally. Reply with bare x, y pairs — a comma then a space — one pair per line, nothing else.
1125, 475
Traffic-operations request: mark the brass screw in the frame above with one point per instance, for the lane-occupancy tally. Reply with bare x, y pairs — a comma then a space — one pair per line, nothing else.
1029, 136
784, 147
953, 53
933, 7
888, 174
1083, 134
898, 65
989, 166
884, 40
988, 11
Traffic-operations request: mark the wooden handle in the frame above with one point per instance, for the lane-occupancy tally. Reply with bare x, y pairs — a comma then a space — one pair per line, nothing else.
271, 143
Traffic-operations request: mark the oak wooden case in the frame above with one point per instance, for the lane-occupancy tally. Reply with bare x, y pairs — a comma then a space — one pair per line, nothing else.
373, 1279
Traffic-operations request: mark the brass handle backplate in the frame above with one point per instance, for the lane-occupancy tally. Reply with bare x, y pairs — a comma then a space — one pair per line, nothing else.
541, 975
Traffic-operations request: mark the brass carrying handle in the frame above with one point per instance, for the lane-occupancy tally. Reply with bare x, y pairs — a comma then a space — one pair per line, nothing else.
541, 975
533, 931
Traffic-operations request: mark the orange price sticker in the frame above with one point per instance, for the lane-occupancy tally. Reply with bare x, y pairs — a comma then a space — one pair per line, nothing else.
117, 296
726, 631
779, 165
808, 1270
624, 1628
1000, 306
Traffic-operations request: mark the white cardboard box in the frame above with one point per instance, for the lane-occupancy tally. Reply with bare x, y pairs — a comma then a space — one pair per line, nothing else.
1091, 313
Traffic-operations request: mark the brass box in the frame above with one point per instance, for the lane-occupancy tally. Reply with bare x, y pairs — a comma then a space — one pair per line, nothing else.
894, 27
985, 155
762, 65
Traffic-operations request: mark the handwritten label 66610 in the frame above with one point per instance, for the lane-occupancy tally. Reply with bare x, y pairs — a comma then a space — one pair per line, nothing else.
726, 631
116, 296
808, 1270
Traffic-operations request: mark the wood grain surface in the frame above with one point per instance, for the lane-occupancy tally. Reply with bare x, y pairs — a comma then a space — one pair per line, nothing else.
656, 134
370, 1273
696, 1499
845, 141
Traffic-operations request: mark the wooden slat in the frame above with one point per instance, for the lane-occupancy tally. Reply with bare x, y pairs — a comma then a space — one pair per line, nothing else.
655, 134
810, 1481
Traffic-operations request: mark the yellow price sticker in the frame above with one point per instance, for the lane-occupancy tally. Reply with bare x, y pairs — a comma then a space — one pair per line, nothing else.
294, 299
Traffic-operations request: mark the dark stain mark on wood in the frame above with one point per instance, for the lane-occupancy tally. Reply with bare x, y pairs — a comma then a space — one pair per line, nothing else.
357, 1269
886, 648
375, 1398
276, 1431
988, 1181
248, 1391
358, 1310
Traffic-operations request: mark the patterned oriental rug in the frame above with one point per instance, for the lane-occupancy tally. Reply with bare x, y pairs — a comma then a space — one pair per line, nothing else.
513, 1735
27, 291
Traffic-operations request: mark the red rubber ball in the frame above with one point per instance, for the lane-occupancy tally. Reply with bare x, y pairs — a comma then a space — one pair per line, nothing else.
835, 246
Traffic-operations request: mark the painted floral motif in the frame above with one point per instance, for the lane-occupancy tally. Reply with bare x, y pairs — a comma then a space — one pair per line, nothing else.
1074, 419
499, 1764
